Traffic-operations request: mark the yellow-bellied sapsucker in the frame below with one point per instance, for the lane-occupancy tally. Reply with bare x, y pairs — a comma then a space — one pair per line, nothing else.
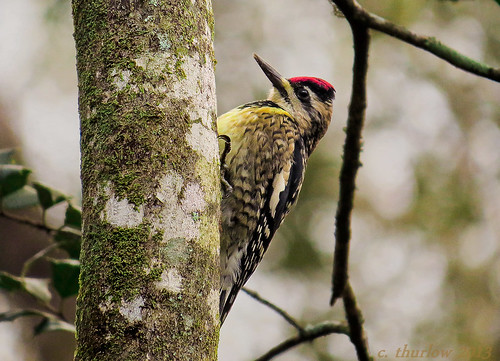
268, 143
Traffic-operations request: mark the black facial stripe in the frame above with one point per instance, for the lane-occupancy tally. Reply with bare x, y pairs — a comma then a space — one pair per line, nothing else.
322, 93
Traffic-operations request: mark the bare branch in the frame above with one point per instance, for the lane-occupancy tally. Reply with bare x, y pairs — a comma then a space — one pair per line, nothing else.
275, 308
309, 334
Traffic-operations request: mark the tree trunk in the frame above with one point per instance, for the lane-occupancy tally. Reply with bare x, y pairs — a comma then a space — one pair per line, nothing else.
149, 280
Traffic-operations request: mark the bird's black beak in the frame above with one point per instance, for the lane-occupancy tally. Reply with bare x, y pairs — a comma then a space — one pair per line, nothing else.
278, 81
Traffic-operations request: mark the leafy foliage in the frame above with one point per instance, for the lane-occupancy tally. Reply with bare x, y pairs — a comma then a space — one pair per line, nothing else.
18, 193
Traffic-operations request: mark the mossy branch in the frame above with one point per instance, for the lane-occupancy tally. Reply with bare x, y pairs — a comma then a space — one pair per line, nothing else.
352, 150
361, 21
355, 321
427, 43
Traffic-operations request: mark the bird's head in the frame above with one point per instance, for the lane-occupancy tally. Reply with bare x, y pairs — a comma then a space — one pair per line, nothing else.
309, 100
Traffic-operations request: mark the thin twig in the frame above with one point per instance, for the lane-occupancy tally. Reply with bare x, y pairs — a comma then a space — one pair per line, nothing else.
355, 320
309, 334
28, 222
27, 265
352, 149
275, 308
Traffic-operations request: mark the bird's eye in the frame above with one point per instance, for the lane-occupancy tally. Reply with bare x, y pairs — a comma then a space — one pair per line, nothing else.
303, 94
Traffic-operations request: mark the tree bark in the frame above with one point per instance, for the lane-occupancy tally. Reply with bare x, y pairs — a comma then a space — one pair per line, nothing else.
149, 279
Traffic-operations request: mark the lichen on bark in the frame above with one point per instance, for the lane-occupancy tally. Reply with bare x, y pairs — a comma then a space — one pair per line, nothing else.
150, 180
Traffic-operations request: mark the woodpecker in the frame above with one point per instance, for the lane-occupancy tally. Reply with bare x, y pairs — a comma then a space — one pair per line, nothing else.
263, 160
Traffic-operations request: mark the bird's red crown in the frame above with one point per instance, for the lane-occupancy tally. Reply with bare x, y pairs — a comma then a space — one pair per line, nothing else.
319, 82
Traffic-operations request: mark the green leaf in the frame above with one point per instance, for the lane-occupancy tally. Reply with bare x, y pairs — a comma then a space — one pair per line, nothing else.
48, 197
9, 282
65, 274
70, 241
53, 324
22, 198
12, 178
73, 217
6, 156
36, 287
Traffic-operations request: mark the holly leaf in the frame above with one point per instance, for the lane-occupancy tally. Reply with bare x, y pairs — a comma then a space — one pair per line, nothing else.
22, 198
13, 315
65, 273
12, 178
9, 282
36, 287
73, 217
6, 156
48, 197
53, 324
70, 241
49, 322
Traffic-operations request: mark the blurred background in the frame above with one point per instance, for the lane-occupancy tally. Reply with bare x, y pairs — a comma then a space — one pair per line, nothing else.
425, 257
